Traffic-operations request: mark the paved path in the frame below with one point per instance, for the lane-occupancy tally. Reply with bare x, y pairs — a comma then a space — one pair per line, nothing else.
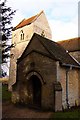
11, 111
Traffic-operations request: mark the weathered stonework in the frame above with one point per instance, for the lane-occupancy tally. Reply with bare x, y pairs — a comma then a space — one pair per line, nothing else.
37, 26
37, 70
73, 83
76, 55
42, 73
73, 48
48, 77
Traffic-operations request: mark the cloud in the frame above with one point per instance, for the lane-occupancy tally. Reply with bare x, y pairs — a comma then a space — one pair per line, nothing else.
62, 30
61, 14
17, 18
53, 7
64, 11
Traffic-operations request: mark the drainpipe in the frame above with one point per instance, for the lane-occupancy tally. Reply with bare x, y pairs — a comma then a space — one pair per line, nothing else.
67, 80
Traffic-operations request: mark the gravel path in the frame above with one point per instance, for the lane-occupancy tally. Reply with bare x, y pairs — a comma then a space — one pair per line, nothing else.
11, 111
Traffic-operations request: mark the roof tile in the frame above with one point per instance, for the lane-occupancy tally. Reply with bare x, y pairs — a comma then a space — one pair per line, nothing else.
56, 51
71, 44
27, 21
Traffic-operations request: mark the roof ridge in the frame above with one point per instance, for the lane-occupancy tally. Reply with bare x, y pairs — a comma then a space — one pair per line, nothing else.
71, 44
18, 24
50, 52
28, 20
37, 15
75, 38
55, 51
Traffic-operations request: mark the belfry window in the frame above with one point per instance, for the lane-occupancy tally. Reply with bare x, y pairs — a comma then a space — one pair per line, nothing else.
22, 35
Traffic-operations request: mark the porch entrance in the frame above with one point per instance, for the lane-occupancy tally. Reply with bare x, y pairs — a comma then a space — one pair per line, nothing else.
36, 88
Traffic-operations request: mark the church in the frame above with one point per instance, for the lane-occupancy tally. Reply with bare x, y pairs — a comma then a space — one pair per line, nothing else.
42, 72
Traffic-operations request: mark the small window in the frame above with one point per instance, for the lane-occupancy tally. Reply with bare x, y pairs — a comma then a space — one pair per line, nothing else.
22, 35
43, 34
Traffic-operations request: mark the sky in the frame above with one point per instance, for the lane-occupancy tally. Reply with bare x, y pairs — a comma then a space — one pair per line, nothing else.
62, 15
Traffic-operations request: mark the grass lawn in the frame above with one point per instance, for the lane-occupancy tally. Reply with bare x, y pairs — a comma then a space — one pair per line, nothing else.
6, 95
73, 113
0, 91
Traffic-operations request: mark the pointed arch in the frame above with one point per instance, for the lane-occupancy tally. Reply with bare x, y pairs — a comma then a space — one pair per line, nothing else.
36, 74
21, 35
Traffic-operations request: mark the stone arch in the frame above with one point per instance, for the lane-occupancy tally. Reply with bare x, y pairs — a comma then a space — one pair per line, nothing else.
34, 87
36, 74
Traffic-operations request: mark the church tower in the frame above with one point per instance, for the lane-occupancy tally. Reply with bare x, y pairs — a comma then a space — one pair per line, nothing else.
21, 36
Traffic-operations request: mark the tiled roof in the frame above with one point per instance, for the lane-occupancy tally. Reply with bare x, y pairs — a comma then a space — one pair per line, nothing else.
56, 51
71, 44
27, 21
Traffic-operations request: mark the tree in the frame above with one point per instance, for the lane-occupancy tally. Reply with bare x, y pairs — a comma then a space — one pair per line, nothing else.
5, 31
6, 28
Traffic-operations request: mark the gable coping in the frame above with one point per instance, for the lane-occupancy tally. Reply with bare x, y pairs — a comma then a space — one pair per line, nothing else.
49, 51
33, 19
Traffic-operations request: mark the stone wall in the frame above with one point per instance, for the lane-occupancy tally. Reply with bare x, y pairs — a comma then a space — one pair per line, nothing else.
76, 55
42, 25
28, 32
50, 71
73, 85
17, 51
45, 67
37, 26
79, 85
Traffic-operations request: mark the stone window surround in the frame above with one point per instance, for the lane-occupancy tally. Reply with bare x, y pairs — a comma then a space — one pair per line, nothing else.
22, 35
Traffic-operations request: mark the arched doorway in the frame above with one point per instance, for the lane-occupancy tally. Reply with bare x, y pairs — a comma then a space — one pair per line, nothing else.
36, 90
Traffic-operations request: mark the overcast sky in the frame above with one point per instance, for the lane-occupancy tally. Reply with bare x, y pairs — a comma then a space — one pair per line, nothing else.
62, 15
